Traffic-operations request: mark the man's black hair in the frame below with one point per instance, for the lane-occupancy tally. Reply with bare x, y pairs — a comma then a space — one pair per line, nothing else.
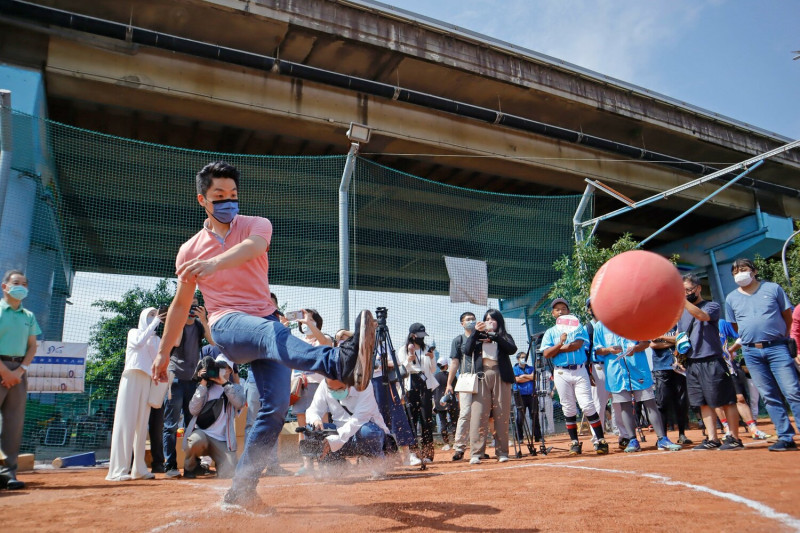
692, 278
743, 262
8, 274
217, 169
467, 313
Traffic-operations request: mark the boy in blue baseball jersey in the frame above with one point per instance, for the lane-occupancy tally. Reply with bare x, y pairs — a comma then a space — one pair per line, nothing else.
628, 378
572, 378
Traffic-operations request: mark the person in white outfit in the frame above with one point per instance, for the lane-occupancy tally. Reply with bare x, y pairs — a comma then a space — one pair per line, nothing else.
133, 412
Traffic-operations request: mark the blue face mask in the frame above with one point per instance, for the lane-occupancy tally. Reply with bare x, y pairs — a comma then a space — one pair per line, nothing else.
18, 292
469, 325
225, 210
338, 395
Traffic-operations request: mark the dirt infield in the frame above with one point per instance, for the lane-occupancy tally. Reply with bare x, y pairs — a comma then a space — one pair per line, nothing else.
749, 490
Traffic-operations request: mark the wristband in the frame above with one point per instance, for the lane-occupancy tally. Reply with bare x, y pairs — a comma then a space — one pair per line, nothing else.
24, 368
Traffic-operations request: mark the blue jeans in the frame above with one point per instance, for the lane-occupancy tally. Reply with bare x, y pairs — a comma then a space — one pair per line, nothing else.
181, 392
272, 352
253, 406
368, 442
773, 373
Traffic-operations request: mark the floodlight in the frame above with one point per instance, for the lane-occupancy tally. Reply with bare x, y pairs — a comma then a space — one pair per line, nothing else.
358, 133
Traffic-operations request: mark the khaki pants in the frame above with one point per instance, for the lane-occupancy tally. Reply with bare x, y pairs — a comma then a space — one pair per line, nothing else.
493, 395
12, 416
462, 427
201, 444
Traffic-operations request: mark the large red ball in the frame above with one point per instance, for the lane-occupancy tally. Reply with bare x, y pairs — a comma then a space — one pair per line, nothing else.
638, 295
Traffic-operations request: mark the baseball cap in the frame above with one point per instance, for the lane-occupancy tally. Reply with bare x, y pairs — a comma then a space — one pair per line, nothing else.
418, 329
443, 360
558, 301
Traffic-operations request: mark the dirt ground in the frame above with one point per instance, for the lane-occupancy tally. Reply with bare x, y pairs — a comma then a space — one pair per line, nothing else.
748, 490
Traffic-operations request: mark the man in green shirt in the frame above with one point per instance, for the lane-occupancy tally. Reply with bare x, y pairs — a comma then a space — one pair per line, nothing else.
18, 330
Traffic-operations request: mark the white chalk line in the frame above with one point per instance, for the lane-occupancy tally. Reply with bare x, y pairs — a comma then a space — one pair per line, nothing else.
760, 508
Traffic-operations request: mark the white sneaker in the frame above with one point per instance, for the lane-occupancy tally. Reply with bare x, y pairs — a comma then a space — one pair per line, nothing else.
148, 475
446, 448
173, 473
427, 460
502, 459
124, 477
475, 461
413, 460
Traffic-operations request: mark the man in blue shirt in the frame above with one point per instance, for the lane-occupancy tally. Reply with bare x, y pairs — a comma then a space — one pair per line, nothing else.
669, 385
629, 379
761, 313
524, 397
708, 379
571, 378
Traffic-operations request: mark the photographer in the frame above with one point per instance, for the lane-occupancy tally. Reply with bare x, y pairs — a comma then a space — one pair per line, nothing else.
360, 430
212, 430
418, 360
446, 410
490, 347
182, 362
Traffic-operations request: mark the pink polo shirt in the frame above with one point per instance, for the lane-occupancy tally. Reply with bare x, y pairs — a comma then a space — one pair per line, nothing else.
243, 289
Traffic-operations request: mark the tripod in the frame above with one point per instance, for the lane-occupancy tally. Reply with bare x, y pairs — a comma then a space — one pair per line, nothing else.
383, 349
541, 390
527, 436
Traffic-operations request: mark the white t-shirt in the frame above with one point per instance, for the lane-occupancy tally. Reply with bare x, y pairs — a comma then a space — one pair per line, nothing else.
490, 350
217, 429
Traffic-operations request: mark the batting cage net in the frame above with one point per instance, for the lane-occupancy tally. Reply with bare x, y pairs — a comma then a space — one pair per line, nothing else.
98, 220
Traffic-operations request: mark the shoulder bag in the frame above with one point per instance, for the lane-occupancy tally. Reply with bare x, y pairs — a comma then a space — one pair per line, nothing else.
468, 381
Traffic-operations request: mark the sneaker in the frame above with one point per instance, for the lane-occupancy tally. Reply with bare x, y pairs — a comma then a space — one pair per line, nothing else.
683, 439
576, 448
15, 484
458, 455
191, 474
304, 471
783, 446
205, 470
427, 460
413, 460
446, 448
760, 435
355, 354
158, 469
173, 472
475, 461
633, 446
708, 445
486, 456
663, 443
276, 471
502, 459
732, 443
124, 477
601, 447
246, 499
148, 475
623, 443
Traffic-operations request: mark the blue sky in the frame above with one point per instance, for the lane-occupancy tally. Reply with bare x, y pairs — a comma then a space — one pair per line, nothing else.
732, 57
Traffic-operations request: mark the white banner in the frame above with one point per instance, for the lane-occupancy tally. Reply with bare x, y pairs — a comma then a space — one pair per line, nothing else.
469, 281
58, 367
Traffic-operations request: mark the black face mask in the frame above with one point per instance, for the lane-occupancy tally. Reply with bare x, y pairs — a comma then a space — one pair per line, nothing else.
419, 342
692, 298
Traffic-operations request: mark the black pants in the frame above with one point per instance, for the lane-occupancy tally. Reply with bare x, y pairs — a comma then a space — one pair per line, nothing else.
528, 404
156, 430
420, 403
447, 424
670, 389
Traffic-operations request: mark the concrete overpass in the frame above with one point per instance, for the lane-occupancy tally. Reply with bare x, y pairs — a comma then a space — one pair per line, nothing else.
444, 103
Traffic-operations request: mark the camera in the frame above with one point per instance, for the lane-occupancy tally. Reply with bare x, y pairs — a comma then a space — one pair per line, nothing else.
208, 364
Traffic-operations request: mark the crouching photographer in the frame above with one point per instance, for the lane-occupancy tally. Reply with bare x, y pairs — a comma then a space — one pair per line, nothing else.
360, 429
213, 407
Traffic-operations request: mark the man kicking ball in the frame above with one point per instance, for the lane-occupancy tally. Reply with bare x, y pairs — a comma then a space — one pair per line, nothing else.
227, 259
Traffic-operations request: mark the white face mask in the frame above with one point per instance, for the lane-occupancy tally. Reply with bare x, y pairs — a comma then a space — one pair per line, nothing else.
743, 279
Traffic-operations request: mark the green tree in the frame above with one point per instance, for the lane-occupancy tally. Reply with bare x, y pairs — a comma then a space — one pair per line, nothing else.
771, 269
110, 335
577, 272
